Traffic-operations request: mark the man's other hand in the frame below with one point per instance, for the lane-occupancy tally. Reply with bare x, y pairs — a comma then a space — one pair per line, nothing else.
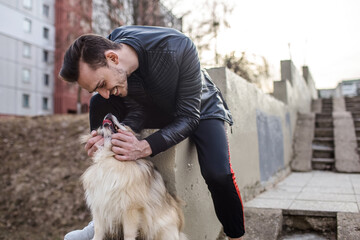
128, 148
93, 144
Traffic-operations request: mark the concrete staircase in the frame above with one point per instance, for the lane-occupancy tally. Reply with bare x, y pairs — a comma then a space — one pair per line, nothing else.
328, 138
323, 143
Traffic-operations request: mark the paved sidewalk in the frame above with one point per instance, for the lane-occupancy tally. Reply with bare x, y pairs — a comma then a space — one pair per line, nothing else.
313, 191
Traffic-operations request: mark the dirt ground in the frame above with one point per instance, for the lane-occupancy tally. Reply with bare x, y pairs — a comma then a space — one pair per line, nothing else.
41, 162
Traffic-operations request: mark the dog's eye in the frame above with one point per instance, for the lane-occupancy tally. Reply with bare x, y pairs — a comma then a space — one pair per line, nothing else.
116, 127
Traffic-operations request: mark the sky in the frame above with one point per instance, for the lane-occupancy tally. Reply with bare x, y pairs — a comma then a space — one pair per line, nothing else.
323, 34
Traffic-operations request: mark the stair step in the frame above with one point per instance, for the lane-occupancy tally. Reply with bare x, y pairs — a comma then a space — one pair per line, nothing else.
323, 160
323, 164
352, 110
355, 114
347, 100
323, 116
357, 132
324, 123
322, 148
324, 139
324, 132
323, 143
326, 110
323, 154
357, 124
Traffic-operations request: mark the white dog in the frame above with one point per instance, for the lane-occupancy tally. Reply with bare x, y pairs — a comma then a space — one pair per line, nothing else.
128, 199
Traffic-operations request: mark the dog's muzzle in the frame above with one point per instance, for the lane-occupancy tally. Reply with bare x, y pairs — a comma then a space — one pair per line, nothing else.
109, 123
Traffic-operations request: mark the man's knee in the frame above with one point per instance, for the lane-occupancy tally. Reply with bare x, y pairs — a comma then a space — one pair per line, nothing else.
217, 179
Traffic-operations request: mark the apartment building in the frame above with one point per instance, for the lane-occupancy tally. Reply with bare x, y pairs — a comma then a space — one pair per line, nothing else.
27, 45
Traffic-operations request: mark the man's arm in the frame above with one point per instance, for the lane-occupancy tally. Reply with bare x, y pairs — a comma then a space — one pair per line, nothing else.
188, 101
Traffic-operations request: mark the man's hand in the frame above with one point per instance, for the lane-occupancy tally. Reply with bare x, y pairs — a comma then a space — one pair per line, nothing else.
93, 143
128, 148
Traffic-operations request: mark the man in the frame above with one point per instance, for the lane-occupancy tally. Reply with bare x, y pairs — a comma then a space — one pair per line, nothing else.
150, 77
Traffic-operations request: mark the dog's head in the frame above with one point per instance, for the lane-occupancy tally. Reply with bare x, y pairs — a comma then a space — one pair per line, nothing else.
109, 126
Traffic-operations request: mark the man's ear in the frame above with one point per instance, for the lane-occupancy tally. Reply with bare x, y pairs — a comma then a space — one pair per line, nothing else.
112, 56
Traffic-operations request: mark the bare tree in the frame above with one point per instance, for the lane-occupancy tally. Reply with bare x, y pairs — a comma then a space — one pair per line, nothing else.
203, 24
255, 71
110, 14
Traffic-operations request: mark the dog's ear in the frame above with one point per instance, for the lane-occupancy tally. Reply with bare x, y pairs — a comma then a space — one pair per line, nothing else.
129, 129
137, 135
84, 138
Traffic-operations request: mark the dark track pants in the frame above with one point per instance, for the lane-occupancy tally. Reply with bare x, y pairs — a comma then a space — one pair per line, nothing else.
214, 159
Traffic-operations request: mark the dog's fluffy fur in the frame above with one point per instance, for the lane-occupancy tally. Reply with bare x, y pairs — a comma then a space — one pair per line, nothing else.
129, 198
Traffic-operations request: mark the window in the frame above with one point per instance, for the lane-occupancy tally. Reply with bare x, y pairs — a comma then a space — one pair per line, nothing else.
27, 25
26, 50
45, 103
26, 100
46, 79
26, 75
45, 56
27, 4
46, 10
46, 33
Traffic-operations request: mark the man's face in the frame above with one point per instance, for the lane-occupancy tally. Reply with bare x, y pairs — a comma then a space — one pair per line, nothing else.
108, 80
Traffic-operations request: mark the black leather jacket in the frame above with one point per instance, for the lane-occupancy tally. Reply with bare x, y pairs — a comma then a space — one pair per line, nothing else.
170, 76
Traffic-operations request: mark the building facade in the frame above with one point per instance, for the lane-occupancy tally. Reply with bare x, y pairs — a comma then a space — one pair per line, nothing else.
27, 45
346, 88
73, 18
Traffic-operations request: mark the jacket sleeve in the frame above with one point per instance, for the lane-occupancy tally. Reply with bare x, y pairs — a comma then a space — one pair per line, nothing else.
188, 100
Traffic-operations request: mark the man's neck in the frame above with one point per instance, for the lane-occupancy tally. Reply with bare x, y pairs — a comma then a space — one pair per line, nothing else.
129, 57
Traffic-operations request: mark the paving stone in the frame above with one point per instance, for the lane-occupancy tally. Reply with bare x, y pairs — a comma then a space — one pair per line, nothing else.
329, 182
348, 226
269, 203
321, 189
331, 197
357, 189
279, 193
296, 179
324, 206
295, 189
262, 224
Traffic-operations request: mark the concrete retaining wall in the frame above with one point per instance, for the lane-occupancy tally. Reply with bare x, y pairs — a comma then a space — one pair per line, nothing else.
260, 147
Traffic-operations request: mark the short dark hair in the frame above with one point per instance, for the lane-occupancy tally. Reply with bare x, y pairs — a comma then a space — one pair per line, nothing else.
89, 48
